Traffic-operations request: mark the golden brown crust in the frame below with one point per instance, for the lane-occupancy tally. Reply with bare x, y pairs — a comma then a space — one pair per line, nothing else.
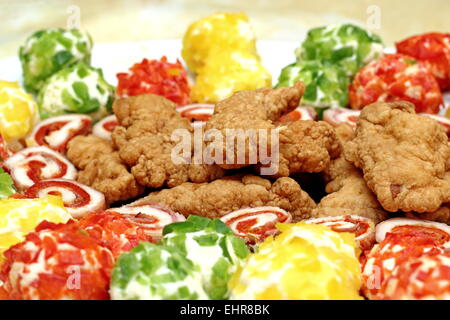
145, 144
252, 109
344, 132
440, 215
148, 114
403, 157
222, 196
101, 168
306, 146
348, 194
83, 149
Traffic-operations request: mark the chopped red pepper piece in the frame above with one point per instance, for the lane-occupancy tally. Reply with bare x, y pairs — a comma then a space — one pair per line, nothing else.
158, 77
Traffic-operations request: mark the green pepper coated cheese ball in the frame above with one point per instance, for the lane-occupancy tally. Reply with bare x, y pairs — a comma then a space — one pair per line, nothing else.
195, 260
78, 88
345, 44
46, 52
212, 247
154, 272
326, 84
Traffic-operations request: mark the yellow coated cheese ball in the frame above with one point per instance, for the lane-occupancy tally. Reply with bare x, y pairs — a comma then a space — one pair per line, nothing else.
18, 111
228, 72
217, 32
18, 217
305, 262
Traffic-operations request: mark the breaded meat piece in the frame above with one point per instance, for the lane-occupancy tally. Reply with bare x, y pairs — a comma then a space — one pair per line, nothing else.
82, 150
255, 110
344, 132
403, 157
148, 114
440, 215
100, 167
348, 193
301, 146
306, 146
222, 196
145, 144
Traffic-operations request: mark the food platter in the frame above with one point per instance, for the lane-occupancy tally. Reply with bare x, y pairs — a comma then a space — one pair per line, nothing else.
221, 167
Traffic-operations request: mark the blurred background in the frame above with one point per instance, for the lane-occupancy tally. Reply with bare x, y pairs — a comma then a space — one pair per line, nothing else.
133, 20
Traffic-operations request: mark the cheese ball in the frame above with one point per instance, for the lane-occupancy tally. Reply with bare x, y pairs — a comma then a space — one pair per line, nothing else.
46, 52
76, 89
326, 85
304, 262
155, 272
432, 48
227, 72
397, 246
345, 44
215, 33
396, 77
18, 111
213, 249
57, 262
113, 231
3, 293
422, 278
18, 217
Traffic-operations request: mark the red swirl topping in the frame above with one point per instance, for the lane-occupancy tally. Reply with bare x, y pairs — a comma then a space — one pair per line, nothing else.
336, 116
56, 132
105, 127
256, 224
362, 228
151, 217
300, 113
34, 164
78, 198
440, 232
198, 114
